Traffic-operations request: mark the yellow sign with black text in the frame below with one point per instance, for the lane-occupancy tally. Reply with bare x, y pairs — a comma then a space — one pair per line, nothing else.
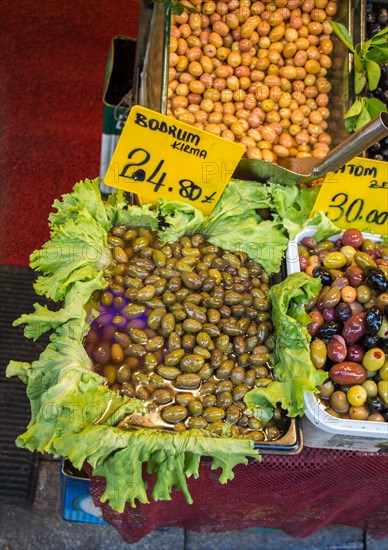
158, 156
356, 196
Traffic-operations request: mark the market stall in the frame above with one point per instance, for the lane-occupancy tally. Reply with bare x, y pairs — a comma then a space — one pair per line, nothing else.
218, 359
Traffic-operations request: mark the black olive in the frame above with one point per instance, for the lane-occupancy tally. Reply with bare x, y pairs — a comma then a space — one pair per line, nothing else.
329, 329
375, 404
376, 148
368, 341
371, 18
375, 279
342, 311
383, 17
324, 274
374, 320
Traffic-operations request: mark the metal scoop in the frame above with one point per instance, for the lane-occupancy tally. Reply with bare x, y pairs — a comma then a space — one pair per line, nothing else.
292, 171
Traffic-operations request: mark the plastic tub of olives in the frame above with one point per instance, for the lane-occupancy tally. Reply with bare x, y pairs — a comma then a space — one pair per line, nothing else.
320, 428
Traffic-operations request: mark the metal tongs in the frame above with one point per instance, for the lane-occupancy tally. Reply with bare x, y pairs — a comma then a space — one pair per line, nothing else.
292, 171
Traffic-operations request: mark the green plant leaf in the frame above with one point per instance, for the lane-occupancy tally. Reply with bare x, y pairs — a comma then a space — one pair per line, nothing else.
375, 106
380, 37
343, 34
355, 109
359, 82
362, 119
373, 72
350, 123
379, 54
358, 62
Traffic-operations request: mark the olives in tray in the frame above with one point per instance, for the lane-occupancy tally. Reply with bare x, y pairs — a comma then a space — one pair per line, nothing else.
349, 326
185, 327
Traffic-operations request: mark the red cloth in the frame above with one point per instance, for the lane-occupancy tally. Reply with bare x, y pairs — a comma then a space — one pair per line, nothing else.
53, 58
297, 494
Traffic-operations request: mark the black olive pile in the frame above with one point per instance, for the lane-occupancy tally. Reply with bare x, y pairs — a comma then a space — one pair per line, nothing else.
377, 20
185, 327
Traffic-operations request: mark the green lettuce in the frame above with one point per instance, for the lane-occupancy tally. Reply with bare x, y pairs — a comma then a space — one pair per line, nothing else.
73, 413
178, 219
294, 371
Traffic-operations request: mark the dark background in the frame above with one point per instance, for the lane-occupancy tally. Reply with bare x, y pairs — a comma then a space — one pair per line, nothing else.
53, 57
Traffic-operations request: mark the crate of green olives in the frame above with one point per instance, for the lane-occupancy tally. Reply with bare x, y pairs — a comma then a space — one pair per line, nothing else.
349, 339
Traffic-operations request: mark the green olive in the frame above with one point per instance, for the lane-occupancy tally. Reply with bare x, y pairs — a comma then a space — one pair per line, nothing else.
172, 359
225, 369
212, 414
161, 396
334, 260
192, 363
170, 373
224, 399
195, 407
174, 413
188, 380
192, 326
363, 260
318, 353
196, 423
232, 414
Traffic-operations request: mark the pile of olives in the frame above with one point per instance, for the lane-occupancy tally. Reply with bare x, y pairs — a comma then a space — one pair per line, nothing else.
185, 327
349, 327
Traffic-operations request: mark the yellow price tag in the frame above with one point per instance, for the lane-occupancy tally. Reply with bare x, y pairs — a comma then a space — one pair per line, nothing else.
356, 196
158, 156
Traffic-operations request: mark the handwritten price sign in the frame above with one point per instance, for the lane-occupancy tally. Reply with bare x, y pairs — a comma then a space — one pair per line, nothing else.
158, 156
357, 196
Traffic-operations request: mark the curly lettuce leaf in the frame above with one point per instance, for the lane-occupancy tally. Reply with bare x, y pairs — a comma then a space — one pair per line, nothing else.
77, 251
325, 228
172, 457
178, 218
138, 216
84, 197
43, 319
294, 371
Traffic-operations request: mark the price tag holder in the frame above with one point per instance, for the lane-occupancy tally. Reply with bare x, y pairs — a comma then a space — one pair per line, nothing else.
356, 196
158, 156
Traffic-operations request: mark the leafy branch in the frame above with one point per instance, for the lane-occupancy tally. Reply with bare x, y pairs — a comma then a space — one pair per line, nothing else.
367, 71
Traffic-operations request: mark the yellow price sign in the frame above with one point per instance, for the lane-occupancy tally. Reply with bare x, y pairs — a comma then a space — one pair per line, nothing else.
356, 196
158, 156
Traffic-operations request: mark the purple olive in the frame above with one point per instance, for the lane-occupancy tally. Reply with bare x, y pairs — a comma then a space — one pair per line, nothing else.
354, 328
352, 237
355, 275
328, 314
303, 262
355, 353
336, 349
309, 242
342, 311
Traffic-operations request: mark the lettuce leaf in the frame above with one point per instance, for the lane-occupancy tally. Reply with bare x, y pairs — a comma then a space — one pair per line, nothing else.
294, 371
137, 216
178, 218
43, 319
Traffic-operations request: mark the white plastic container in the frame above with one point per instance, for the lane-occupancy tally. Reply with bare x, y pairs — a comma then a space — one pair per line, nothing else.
321, 429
